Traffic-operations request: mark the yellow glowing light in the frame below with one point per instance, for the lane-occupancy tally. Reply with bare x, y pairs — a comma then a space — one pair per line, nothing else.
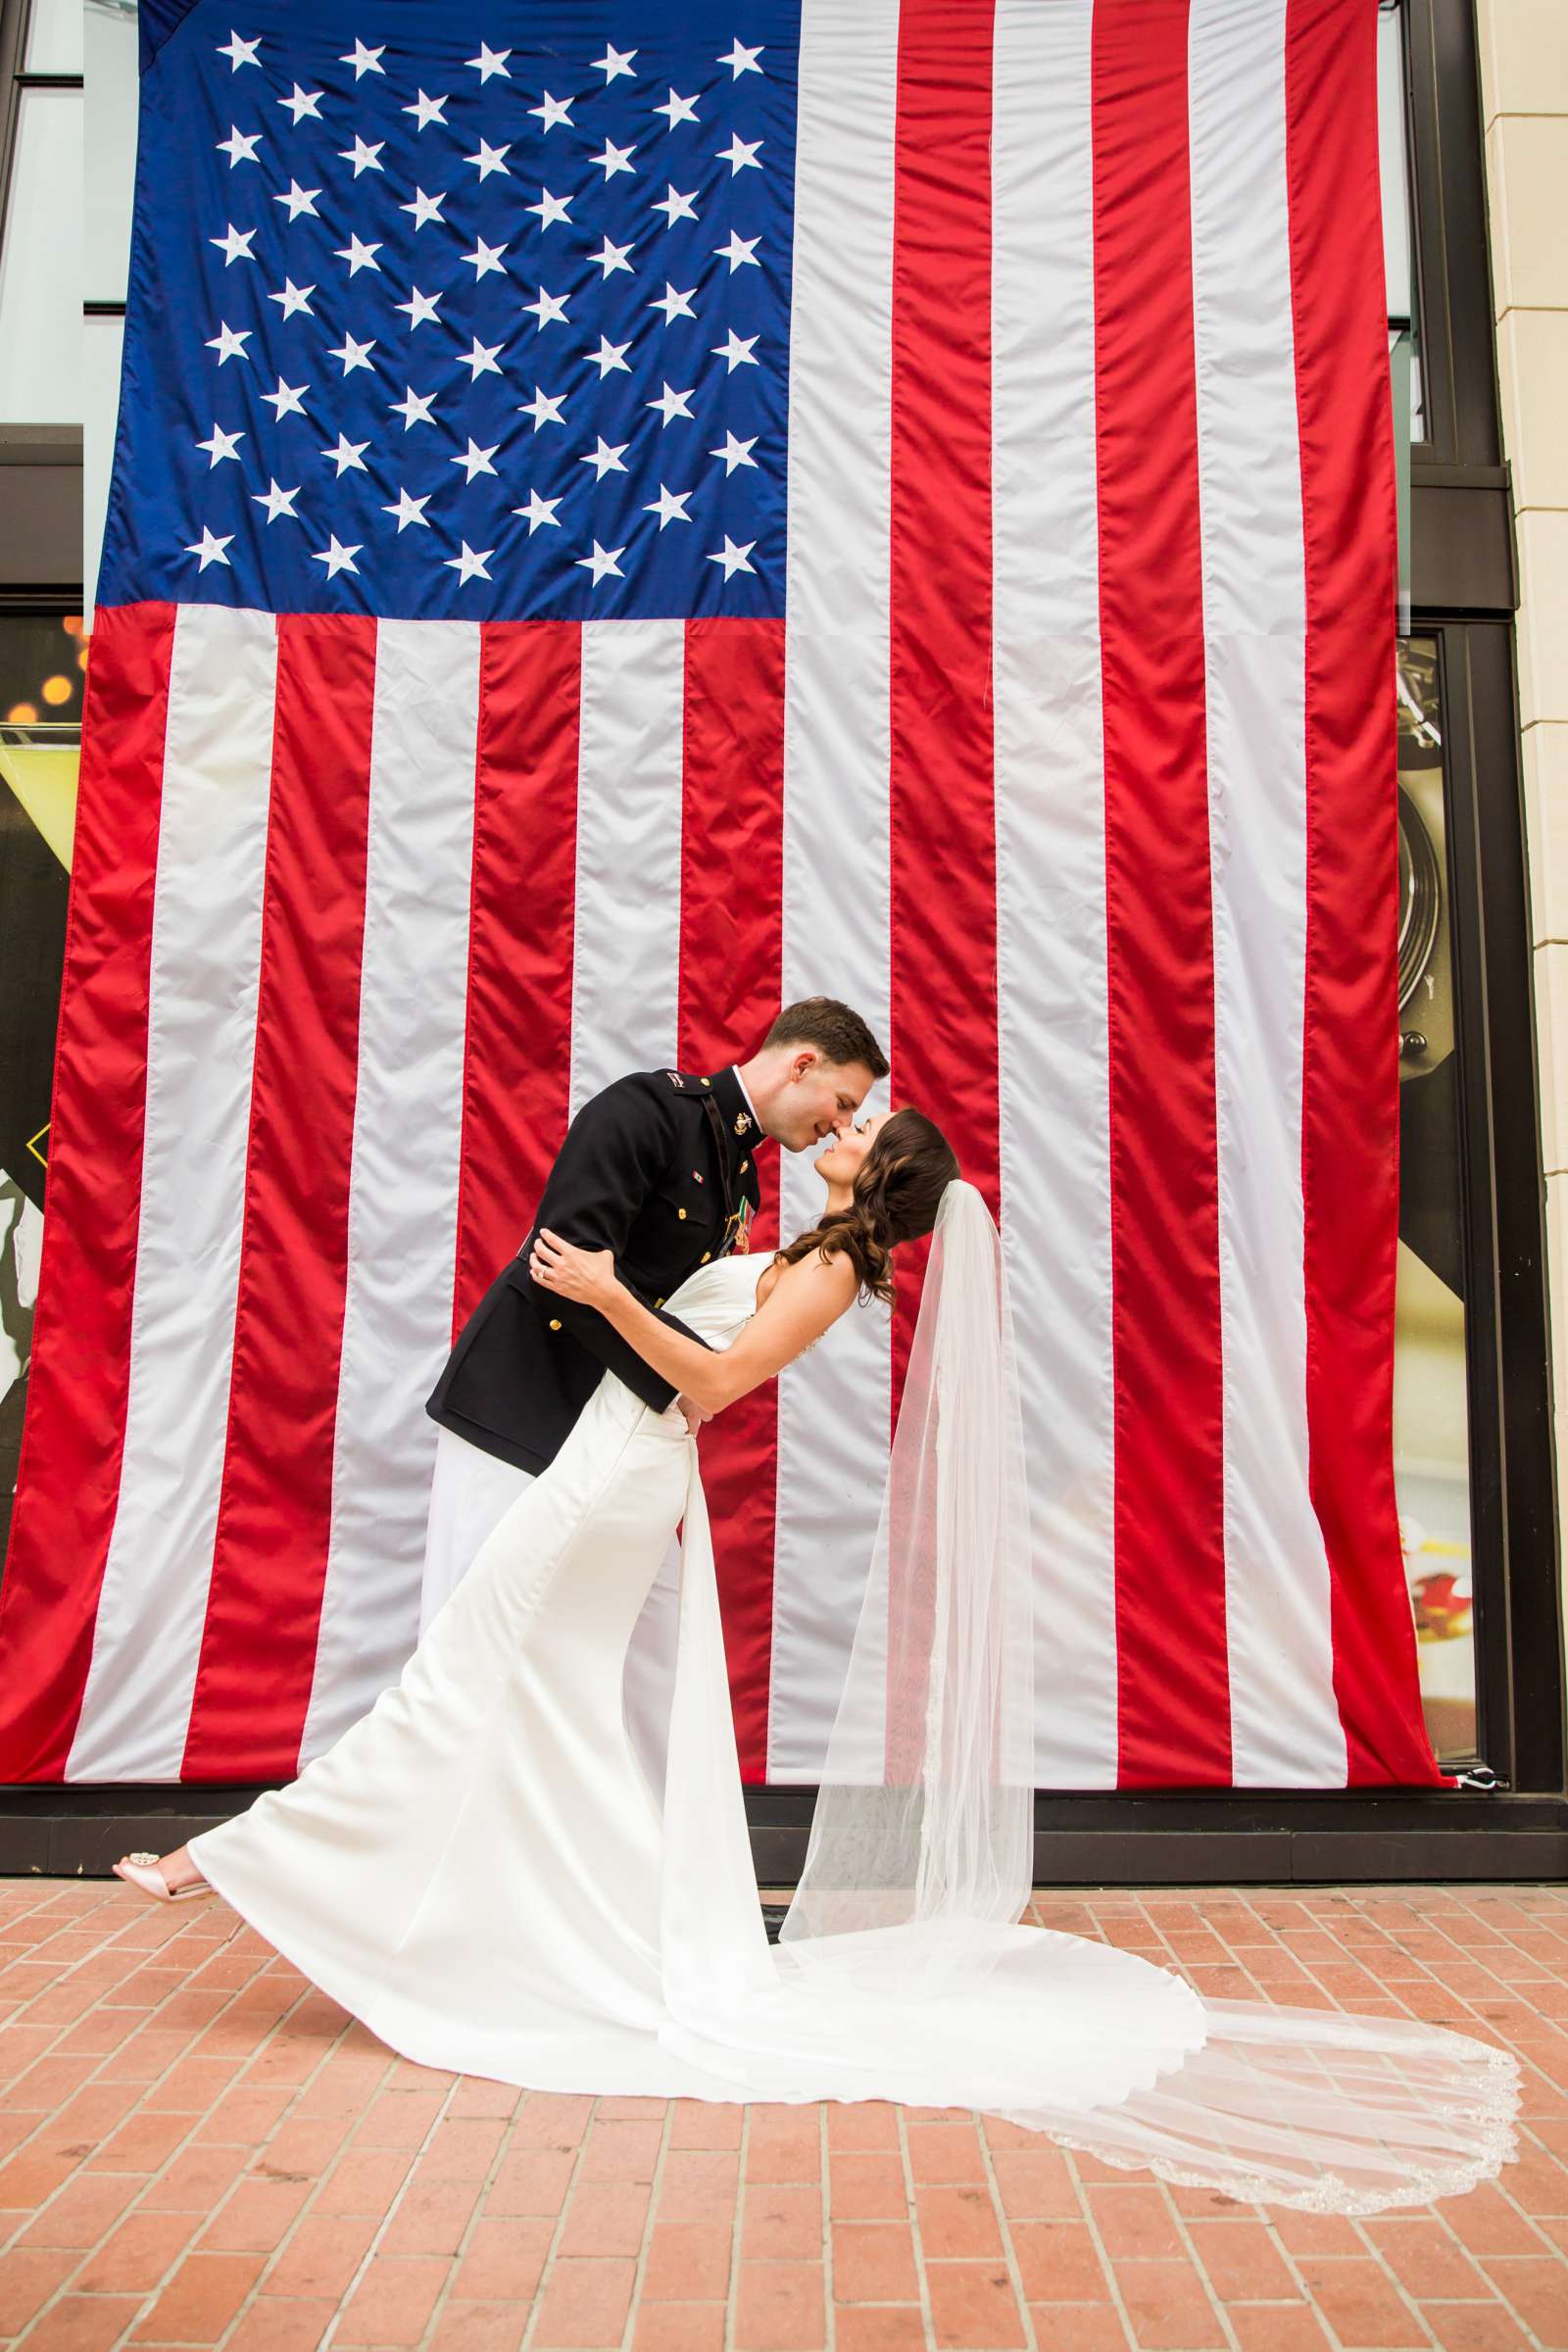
58, 690
22, 714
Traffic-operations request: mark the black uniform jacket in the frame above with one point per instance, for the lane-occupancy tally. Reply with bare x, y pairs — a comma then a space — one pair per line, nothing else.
660, 1168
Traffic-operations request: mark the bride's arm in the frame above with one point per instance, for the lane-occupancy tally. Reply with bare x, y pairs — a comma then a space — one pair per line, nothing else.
804, 1300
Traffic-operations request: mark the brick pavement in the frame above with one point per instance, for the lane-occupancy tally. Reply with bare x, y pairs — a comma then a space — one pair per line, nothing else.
198, 2149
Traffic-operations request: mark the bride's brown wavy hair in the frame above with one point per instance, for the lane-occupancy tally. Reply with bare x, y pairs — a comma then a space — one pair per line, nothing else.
897, 1191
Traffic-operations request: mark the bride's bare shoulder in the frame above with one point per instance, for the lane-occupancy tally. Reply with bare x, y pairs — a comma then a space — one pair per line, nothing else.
841, 1265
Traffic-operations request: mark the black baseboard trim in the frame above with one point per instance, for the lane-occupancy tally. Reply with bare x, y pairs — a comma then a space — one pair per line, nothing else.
1172, 1838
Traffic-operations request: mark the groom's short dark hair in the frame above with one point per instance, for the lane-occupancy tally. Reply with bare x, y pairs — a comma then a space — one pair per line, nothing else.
839, 1035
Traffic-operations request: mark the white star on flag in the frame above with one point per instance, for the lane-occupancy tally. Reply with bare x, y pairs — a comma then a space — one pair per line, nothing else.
365, 60
410, 510
605, 459
468, 565
489, 62
672, 404
739, 251
550, 307
235, 245
675, 206
612, 257
294, 298
538, 510
609, 358
425, 207
276, 502
735, 453
337, 558
736, 351
239, 149
481, 361
353, 355
679, 110
419, 307
483, 259
615, 61
414, 408
358, 255
229, 342
740, 155
348, 456
429, 110
362, 154
553, 110
475, 460
287, 401
221, 445
299, 200
612, 159
544, 407
209, 548
674, 305
741, 61
302, 103
240, 53
490, 158
734, 559
603, 560
550, 208
670, 506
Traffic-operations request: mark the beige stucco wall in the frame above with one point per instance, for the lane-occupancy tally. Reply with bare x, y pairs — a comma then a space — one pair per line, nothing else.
1523, 101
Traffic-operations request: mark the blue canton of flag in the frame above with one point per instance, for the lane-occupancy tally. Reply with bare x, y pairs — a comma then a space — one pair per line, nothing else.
433, 324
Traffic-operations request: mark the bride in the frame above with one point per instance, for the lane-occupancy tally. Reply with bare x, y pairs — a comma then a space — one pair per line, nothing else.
481, 1871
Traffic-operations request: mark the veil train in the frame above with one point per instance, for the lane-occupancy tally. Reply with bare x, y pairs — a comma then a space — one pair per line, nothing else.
901, 1971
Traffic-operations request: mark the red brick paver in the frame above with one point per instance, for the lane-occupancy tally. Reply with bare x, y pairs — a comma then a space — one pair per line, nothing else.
198, 2149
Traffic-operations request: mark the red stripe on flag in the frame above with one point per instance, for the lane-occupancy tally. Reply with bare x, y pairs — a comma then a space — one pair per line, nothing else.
1166, 1339
518, 1050
942, 818
258, 1652
731, 935
74, 1434
1351, 1095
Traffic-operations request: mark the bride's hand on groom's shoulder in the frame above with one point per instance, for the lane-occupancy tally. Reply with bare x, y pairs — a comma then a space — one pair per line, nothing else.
573, 1273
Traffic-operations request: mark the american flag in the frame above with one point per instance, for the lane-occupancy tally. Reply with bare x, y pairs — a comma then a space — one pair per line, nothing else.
625, 516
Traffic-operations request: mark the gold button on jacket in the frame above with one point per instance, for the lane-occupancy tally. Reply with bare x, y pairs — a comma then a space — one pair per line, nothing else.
555, 1322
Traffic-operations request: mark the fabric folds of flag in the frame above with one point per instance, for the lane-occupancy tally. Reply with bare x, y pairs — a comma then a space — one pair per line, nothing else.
623, 516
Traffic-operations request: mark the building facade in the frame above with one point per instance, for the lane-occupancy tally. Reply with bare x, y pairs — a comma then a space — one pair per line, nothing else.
1473, 98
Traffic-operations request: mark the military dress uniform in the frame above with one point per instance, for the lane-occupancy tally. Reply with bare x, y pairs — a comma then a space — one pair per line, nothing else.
660, 1168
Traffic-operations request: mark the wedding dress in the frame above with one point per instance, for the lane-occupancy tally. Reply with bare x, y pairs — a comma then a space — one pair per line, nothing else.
480, 1869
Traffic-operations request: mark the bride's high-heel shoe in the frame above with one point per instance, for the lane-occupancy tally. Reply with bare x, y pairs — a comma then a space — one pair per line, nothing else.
141, 1870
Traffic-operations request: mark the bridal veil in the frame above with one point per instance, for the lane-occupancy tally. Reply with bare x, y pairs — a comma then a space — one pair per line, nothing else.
901, 1971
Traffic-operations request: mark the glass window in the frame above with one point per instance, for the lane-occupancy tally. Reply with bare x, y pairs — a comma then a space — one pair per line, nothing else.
53, 37
102, 340
1399, 252
110, 97
1430, 1444
40, 264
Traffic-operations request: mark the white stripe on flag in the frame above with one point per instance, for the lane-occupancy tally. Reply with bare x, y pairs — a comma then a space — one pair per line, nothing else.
201, 1037
833, 1414
1285, 1724
403, 1186
1051, 865
626, 947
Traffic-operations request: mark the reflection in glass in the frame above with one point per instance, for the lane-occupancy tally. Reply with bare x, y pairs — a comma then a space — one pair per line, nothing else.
1431, 1448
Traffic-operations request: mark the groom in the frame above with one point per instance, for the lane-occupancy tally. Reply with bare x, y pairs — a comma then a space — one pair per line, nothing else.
661, 1169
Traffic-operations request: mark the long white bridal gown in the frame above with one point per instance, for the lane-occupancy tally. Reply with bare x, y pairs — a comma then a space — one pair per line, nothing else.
479, 1871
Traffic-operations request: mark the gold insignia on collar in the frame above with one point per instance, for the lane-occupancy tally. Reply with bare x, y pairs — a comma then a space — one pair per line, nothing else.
742, 1122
